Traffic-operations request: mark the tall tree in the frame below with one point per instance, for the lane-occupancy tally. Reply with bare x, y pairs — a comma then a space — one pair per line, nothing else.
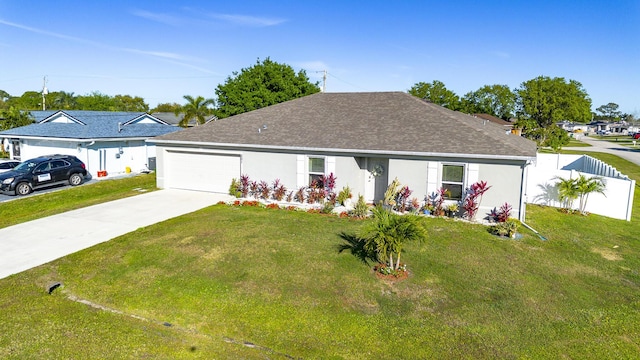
195, 108
263, 84
30, 100
96, 101
497, 100
14, 117
549, 100
129, 103
4, 96
64, 101
609, 112
436, 93
167, 107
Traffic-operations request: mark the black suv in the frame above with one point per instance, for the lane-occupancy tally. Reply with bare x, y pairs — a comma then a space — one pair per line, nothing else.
41, 172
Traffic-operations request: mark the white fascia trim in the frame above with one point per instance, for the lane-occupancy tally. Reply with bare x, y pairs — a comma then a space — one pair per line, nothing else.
20, 137
342, 151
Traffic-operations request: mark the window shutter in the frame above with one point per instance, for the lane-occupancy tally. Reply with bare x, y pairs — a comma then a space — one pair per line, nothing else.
301, 179
473, 174
330, 165
432, 177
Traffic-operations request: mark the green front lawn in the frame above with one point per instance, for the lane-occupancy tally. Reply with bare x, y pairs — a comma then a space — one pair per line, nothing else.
243, 282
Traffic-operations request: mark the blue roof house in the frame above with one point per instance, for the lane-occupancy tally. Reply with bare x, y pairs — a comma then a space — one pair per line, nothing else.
114, 142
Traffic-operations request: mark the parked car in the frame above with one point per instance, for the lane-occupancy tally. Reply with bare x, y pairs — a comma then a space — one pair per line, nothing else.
604, 132
636, 136
41, 172
6, 165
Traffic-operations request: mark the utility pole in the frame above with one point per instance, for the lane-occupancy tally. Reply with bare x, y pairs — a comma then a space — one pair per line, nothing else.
324, 80
44, 92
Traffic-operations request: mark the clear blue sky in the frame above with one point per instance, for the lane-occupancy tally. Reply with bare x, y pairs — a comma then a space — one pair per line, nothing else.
162, 50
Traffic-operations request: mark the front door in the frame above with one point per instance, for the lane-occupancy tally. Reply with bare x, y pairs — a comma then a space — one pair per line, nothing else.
377, 179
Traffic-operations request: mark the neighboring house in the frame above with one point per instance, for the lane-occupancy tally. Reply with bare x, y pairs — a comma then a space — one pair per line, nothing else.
623, 128
173, 119
573, 127
365, 139
596, 126
105, 141
506, 125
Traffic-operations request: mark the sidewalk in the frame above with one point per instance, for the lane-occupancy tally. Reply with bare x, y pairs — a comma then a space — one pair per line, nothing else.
37, 242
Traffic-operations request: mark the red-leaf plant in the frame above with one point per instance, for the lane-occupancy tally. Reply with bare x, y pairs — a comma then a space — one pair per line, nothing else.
264, 189
503, 214
403, 198
253, 189
301, 194
473, 197
245, 184
437, 200
279, 190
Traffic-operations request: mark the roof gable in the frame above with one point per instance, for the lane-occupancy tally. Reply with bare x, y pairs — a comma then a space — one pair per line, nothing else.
62, 118
74, 124
379, 122
145, 119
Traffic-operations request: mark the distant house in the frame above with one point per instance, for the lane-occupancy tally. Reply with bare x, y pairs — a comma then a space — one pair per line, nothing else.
105, 141
364, 139
174, 119
506, 125
597, 126
572, 127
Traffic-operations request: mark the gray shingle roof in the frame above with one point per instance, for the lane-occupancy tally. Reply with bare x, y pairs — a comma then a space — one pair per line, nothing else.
92, 125
378, 122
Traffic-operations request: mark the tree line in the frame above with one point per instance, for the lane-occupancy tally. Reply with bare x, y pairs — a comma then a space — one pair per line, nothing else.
535, 106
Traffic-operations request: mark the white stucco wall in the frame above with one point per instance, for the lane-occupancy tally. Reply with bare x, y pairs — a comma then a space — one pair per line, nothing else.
134, 155
423, 176
506, 186
269, 167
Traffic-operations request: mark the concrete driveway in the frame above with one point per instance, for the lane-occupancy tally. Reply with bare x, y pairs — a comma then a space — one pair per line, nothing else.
37, 242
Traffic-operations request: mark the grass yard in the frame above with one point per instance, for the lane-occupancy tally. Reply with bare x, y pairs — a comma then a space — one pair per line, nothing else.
20, 210
577, 143
243, 282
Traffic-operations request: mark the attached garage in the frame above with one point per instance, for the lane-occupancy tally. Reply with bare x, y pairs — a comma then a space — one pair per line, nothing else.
211, 172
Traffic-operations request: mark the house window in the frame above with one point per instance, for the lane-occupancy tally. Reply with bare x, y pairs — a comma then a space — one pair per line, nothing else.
453, 181
316, 169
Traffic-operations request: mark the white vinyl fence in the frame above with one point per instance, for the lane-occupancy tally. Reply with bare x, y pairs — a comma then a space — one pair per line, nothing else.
616, 202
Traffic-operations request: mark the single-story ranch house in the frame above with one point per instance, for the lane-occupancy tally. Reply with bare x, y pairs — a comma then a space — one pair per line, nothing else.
365, 139
104, 140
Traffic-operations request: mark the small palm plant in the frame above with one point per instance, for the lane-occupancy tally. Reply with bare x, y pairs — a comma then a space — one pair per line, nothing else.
387, 234
567, 192
586, 186
571, 189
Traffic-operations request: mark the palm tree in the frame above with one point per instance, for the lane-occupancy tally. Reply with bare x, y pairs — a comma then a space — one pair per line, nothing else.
586, 186
65, 101
567, 191
388, 232
196, 108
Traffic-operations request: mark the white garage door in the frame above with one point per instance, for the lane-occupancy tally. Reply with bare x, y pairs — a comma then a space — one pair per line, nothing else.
201, 171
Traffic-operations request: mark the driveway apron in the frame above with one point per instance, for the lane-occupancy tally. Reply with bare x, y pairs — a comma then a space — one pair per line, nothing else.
37, 242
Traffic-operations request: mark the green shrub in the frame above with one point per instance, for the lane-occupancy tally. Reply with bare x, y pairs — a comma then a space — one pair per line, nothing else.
507, 228
234, 188
344, 194
361, 209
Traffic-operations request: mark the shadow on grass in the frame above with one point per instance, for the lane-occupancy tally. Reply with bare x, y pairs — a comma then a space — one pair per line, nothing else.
356, 246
